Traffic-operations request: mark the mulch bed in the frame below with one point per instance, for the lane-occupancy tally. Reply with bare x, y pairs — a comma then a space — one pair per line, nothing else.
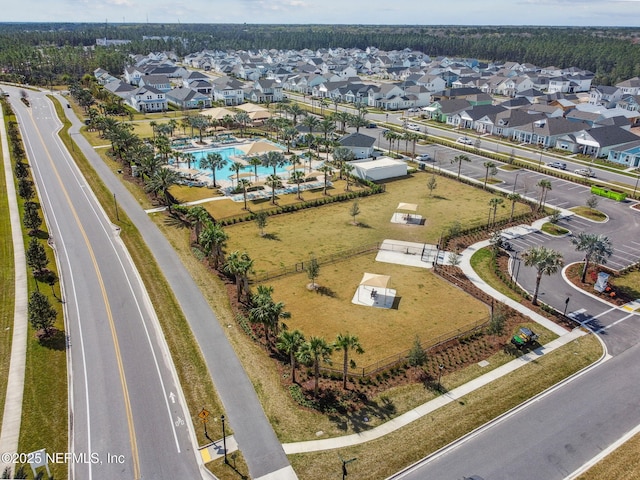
614, 296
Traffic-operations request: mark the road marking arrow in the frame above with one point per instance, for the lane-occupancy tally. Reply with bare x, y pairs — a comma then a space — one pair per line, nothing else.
172, 396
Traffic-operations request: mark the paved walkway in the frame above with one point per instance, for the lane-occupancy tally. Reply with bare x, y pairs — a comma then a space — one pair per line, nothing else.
12, 414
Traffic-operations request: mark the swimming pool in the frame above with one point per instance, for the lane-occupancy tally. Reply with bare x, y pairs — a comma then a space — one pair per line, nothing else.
225, 173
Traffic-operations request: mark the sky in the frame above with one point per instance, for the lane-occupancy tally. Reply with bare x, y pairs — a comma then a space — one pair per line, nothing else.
371, 12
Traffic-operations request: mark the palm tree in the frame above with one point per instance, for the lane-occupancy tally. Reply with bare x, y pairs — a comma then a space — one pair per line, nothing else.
347, 342
311, 353
290, 342
173, 124
274, 159
275, 182
357, 121
342, 117
347, 169
390, 135
459, 159
328, 171
189, 158
239, 265
494, 202
546, 261
161, 182
236, 167
212, 240
297, 177
295, 110
596, 247
312, 123
198, 216
289, 134
242, 119
244, 184
490, 168
327, 126
214, 161
266, 311
545, 186
341, 155
255, 162
514, 197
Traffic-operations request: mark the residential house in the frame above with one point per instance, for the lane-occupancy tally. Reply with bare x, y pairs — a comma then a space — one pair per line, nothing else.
159, 82
604, 95
507, 121
433, 83
447, 111
597, 142
545, 132
228, 90
187, 98
630, 87
266, 91
147, 99
627, 154
103, 77
361, 145
481, 118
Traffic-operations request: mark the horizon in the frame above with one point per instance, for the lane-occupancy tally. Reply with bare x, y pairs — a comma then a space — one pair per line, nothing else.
497, 13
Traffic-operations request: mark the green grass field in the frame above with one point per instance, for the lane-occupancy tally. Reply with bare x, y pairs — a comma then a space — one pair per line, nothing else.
423, 307
328, 230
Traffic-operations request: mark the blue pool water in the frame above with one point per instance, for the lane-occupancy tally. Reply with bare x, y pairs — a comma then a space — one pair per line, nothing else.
225, 172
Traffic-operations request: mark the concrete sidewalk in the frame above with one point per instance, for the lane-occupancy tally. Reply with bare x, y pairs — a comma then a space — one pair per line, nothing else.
12, 414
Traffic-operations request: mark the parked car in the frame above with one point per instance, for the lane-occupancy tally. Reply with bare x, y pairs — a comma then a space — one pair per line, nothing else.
464, 140
413, 126
413, 109
371, 125
560, 165
425, 157
586, 172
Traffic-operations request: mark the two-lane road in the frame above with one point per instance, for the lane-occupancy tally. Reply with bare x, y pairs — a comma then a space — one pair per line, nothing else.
127, 418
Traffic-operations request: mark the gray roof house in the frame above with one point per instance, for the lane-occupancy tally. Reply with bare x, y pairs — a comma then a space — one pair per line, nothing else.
187, 98
361, 145
596, 142
546, 131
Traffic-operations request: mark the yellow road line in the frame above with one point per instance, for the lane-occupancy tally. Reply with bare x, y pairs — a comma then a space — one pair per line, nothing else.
123, 382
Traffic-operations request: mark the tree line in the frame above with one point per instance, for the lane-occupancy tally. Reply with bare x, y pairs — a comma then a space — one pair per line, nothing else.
41, 53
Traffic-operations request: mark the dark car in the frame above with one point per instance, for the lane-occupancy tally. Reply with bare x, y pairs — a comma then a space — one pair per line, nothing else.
560, 165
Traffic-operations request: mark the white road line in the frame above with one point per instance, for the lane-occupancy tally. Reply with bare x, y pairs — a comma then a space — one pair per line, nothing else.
616, 322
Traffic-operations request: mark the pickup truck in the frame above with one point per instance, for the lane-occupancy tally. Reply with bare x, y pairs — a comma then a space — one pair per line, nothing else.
524, 337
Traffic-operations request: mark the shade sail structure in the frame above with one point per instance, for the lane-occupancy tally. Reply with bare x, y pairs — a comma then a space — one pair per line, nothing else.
412, 207
375, 280
257, 148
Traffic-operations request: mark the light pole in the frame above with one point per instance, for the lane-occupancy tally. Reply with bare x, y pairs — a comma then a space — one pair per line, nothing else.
566, 304
636, 187
224, 441
440, 368
518, 270
515, 182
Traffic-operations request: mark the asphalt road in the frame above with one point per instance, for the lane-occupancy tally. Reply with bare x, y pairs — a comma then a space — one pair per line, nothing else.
256, 439
553, 436
126, 411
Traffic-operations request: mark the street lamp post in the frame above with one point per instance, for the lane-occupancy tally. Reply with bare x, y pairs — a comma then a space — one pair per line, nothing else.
636, 187
515, 182
518, 270
224, 441
440, 368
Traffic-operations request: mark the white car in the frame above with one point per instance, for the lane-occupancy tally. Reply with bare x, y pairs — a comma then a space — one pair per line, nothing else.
464, 140
413, 126
425, 157
586, 172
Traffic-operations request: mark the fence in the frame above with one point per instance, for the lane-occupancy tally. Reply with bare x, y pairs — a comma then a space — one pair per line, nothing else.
301, 266
393, 360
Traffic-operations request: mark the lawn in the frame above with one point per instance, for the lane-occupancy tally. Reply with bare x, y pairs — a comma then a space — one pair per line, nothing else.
424, 307
481, 262
7, 286
553, 229
328, 230
590, 213
621, 464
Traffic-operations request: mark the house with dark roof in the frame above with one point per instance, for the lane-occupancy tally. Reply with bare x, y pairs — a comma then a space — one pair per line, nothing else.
481, 118
147, 99
445, 111
545, 132
596, 142
361, 145
187, 98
